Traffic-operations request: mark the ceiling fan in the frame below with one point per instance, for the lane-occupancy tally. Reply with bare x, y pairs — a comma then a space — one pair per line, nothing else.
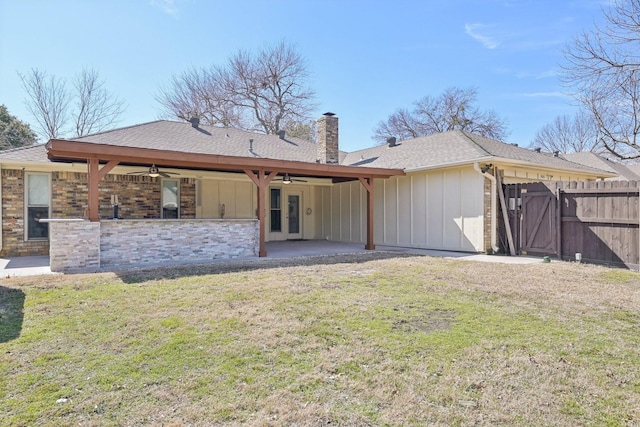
154, 172
286, 179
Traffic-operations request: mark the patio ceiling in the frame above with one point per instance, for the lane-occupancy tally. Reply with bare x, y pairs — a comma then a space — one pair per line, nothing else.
260, 170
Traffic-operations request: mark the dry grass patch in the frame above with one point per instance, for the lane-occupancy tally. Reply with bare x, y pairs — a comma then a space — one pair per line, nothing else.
401, 341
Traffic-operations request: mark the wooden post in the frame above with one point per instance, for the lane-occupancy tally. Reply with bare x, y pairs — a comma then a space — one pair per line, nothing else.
262, 182
505, 215
367, 183
94, 199
95, 174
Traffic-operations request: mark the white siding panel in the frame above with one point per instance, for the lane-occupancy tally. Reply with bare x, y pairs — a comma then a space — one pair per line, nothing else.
472, 211
336, 209
405, 207
435, 224
327, 213
356, 213
379, 222
452, 214
345, 212
391, 211
243, 200
419, 210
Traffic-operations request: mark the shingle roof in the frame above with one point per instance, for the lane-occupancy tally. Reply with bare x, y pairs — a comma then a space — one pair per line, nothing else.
593, 160
450, 148
182, 136
31, 153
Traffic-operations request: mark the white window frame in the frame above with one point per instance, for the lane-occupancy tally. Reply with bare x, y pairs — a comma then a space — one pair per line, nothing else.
177, 181
27, 205
272, 209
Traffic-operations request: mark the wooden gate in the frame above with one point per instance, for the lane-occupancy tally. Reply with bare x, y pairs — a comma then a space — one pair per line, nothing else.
600, 221
538, 223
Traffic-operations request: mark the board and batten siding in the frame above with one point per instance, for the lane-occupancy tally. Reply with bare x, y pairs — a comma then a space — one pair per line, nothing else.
431, 210
239, 199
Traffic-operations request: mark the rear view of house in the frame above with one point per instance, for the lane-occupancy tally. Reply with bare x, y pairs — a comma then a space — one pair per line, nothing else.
172, 181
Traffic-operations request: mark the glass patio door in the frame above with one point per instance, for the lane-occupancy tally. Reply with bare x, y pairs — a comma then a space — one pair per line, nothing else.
294, 226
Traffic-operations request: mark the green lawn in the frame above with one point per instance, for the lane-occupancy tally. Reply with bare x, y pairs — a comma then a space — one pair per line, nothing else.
399, 341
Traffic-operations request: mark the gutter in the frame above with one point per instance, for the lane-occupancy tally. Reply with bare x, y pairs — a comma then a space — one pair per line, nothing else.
597, 173
494, 185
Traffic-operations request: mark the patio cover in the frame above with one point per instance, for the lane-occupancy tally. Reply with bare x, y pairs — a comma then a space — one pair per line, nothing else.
102, 158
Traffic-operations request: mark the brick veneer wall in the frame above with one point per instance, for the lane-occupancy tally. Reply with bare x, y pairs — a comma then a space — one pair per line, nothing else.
13, 243
487, 215
139, 242
139, 198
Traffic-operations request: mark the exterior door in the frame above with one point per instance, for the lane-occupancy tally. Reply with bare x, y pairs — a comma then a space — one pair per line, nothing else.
293, 220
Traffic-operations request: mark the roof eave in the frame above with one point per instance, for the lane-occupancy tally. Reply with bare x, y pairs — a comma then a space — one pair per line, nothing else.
450, 165
65, 150
594, 172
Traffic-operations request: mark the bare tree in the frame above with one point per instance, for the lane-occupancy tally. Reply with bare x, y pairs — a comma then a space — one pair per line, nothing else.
568, 134
252, 92
48, 102
197, 93
94, 109
602, 67
453, 110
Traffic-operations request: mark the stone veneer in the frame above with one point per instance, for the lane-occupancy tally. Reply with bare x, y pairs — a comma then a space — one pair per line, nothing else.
328, 146
74, 245
148, 242
139, 198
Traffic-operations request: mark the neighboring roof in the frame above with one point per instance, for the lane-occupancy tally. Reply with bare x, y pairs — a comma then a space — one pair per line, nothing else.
594, 160
31, 153
635, 168
182, 136
453, 148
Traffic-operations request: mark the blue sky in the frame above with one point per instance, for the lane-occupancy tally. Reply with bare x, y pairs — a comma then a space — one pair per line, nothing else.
367, 58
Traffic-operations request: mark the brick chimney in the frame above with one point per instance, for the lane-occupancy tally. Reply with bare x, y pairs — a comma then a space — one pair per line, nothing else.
328, 139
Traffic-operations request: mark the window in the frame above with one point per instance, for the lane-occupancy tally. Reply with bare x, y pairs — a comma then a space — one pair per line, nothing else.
38, 197
170, 199
276, 210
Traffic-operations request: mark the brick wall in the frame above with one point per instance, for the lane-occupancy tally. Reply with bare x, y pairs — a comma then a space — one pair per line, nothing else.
187, 198
13, 243
487, 215
147, 242
139, 197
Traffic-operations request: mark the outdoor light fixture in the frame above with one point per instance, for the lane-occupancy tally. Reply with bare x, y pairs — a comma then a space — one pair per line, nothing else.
286, 179
154, 172
486, 167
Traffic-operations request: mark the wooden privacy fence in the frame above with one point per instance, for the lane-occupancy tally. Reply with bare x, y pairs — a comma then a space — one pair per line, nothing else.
599, 220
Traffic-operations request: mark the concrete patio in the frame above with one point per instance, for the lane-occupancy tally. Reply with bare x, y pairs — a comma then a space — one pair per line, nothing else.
38, 265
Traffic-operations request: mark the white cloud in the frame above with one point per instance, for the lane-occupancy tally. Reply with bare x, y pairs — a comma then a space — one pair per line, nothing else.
167, 6
474, 30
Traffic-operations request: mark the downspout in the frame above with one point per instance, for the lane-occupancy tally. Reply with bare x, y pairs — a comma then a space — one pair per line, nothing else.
494, 184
